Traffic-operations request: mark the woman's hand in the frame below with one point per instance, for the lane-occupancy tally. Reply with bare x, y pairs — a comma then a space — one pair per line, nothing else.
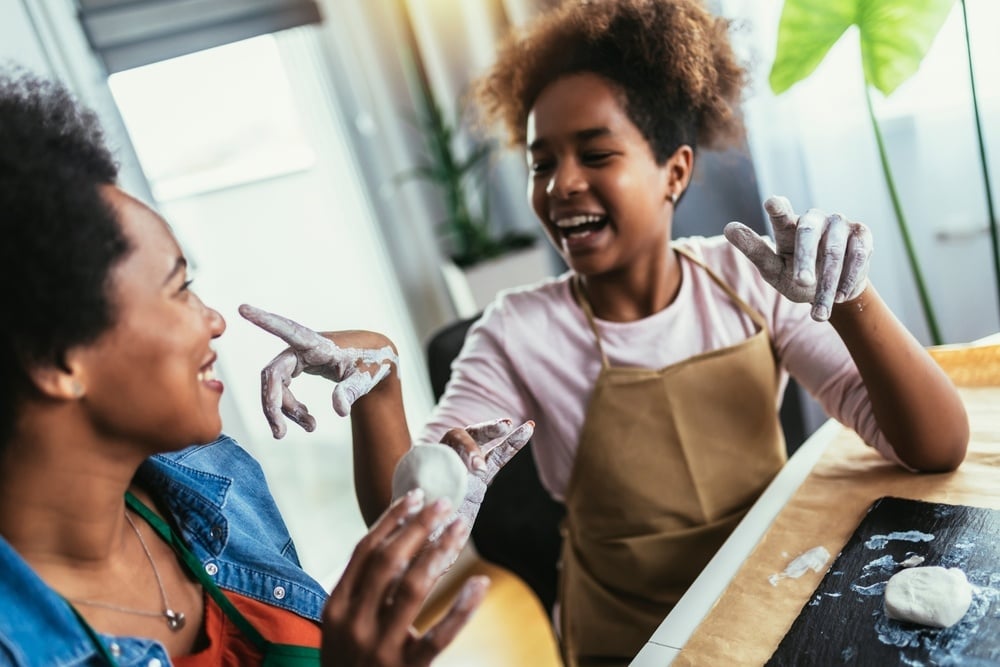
483, 465
817, 258
368, 619
355, 360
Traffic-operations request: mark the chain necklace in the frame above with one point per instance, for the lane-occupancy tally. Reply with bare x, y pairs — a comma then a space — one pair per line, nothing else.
175, 619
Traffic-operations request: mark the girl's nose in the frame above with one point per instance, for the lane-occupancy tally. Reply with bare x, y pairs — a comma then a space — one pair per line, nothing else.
566, 180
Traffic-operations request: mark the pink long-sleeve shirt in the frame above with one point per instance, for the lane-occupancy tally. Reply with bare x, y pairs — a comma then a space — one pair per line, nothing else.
533, 355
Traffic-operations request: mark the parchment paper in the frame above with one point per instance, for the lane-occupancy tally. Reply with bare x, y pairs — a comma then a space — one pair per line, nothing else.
751, 617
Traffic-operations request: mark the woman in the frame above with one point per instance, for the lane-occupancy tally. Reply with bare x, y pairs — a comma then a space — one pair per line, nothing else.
117, 539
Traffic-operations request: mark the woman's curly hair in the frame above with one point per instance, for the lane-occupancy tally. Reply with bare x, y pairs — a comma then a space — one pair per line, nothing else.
60, 238
671, 60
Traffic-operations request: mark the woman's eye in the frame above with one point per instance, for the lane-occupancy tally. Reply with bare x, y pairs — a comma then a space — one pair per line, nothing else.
186, 285
541, 166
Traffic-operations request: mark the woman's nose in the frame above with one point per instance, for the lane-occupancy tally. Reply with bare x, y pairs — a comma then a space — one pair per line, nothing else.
216, 322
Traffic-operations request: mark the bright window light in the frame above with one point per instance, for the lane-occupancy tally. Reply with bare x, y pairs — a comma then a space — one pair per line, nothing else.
212, 119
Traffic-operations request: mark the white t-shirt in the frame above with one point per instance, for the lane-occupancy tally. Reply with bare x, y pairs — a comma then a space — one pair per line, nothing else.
534, 356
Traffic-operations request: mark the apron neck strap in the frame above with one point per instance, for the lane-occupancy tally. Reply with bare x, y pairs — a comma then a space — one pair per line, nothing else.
581, 298
196, 568
757, 318
588, 312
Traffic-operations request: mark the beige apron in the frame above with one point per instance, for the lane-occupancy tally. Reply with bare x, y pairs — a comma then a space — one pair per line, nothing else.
668, 463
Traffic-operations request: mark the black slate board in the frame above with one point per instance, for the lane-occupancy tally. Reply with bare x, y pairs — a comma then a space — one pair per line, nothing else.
844, 622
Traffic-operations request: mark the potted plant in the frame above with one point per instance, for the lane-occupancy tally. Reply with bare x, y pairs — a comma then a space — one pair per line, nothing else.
477, 249
895, 37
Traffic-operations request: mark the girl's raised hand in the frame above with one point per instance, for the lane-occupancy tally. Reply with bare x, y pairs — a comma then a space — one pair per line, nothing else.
484, 464
816, 258
355, 360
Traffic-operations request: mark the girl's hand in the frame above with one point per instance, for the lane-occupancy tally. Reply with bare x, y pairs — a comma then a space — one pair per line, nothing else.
816, 258
355, 360
368, 619
483, 465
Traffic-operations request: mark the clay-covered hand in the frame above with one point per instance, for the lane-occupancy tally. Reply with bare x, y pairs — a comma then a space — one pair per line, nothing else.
355, 360
816, 258
485, 448
368, 618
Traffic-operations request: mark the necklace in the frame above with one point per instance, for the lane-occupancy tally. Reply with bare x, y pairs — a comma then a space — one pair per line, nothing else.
175, 619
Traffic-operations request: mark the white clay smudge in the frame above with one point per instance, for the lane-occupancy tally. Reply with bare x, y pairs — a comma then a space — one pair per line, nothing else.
879, 541
912, 561
813, 559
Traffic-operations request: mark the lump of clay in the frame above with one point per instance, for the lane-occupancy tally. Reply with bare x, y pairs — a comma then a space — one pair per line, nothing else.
934, 596
437, 469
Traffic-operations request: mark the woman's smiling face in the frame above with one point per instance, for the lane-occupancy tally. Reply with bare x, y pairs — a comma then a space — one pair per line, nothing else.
595, 185
150, 376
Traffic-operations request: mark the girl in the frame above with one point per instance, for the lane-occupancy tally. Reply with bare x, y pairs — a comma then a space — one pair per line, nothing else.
654, 369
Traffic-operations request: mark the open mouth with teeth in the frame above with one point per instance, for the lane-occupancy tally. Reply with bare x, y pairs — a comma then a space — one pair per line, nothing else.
581, 225
206, 374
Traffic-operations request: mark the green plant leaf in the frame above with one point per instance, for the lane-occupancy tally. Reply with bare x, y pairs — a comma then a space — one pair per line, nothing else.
895, 37
807, 30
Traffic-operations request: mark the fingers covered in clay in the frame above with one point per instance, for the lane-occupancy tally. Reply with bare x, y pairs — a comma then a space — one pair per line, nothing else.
356, 361
468, 441
816, 258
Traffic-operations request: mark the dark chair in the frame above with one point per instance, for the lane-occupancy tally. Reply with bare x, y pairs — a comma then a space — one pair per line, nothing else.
518, 523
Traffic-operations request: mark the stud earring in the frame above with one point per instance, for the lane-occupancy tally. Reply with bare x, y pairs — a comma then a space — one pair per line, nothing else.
673, 199
77, 389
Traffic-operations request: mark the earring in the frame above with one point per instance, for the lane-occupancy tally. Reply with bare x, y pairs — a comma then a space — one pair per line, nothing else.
77, 389
673, 199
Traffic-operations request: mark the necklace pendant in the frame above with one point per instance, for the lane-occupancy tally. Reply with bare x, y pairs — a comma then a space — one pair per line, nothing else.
175, 619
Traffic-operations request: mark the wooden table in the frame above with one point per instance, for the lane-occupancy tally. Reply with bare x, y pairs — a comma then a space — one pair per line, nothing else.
818, 499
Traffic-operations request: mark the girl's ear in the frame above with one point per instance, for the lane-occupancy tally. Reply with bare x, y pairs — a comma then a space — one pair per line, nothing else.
679, 168
57, 380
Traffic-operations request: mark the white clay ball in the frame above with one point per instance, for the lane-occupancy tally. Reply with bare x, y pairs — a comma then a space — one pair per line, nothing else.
933, 596
437, 469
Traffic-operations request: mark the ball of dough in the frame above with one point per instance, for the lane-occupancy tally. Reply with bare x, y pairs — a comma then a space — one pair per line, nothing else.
437, 469
934, 596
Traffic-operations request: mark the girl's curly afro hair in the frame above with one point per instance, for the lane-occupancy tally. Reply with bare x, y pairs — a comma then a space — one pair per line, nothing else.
671, 59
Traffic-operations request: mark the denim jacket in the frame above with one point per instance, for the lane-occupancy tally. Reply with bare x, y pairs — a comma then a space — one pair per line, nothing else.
217, 497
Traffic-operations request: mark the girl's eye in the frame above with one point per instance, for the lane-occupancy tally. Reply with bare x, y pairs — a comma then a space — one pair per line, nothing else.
186, 284
596, 157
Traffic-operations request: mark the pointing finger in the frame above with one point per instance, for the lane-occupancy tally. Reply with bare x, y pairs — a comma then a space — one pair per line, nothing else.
756, 248
300, 337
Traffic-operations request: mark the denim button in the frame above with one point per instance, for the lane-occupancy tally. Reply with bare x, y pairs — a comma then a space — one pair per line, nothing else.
212, 569
155, 662
279, 592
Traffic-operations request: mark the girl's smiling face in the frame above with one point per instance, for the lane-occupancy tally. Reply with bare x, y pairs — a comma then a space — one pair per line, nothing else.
595, 185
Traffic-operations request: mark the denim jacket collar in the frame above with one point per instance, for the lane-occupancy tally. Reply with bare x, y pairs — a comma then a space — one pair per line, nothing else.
38, 627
